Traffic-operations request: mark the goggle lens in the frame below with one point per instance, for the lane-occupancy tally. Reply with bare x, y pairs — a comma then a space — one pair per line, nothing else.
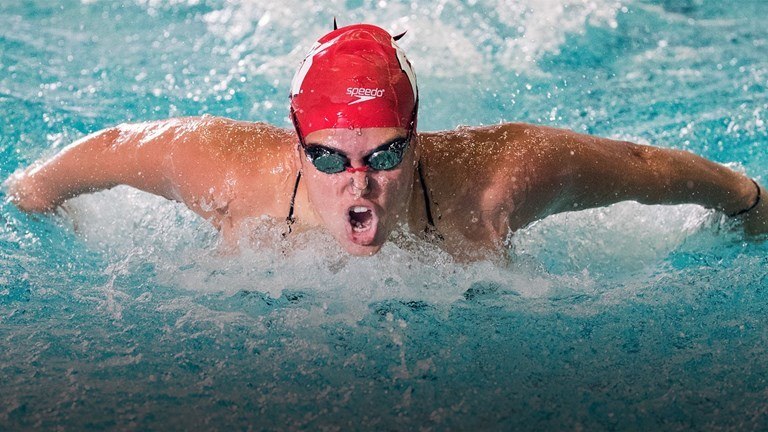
326, 161
388, 159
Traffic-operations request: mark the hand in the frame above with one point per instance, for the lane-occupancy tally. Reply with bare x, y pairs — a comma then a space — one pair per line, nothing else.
25, 194
755, 221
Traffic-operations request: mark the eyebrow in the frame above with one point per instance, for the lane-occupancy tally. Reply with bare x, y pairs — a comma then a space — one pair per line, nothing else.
379, 148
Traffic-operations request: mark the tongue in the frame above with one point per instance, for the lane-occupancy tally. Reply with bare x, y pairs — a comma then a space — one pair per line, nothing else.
360, 221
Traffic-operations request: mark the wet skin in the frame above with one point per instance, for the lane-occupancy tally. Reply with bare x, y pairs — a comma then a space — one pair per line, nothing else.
483, 182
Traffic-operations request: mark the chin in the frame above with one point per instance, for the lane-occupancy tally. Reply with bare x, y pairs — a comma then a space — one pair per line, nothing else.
361, 250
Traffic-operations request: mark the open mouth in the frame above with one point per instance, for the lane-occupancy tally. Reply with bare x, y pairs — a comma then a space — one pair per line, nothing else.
360, 218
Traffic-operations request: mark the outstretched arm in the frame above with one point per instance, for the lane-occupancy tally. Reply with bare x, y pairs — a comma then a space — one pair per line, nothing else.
176, 159
601, 172
126, 154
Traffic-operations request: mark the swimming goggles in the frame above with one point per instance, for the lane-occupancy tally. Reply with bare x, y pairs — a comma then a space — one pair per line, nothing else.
383, 158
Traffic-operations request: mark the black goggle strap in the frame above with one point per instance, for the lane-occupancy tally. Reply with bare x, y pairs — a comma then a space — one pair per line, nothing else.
431, 227
290, 220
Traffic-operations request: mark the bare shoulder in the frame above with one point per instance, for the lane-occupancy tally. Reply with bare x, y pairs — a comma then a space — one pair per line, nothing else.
228, 139
496, 148
246, 141
504, 138
218, 144
511, 170
222, 167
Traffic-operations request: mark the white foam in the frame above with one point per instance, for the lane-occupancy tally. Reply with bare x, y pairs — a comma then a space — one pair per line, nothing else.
571, 254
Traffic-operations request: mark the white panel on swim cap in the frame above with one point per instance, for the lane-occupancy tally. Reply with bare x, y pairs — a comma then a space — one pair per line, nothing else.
301, 73
406, 67
298, 78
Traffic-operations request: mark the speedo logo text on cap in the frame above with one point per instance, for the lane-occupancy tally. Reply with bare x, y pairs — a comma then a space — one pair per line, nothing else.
364, 94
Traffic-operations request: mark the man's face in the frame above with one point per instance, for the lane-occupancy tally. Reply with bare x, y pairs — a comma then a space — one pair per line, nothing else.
359, 208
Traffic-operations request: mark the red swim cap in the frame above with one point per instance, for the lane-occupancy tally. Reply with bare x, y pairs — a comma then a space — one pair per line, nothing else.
354, 77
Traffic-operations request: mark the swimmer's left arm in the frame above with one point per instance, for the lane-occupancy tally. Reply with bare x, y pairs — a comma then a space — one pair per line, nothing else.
600, 172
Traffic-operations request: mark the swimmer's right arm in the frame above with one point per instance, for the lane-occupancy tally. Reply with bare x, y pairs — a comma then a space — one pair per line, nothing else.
138, 155
600, 172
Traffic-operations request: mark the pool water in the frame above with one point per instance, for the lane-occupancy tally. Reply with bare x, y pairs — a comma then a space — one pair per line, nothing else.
120, 312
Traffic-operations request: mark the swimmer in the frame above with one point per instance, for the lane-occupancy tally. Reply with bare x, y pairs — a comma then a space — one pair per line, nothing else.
357, 167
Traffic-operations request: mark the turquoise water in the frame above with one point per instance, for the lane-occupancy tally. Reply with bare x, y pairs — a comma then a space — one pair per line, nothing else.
120, 313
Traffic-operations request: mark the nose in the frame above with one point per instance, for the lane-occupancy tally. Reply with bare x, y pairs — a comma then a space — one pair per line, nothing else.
359, 182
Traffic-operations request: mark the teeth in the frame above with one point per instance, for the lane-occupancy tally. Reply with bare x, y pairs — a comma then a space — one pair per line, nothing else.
359, 209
